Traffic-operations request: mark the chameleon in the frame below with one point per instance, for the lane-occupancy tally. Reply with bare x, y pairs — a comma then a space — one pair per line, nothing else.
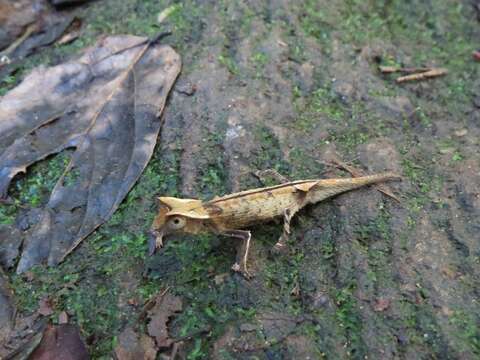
232, 214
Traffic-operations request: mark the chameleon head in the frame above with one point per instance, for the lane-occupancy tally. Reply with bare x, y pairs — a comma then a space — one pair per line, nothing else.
176, 215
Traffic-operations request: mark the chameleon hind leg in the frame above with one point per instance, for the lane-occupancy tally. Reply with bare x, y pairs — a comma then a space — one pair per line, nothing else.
281, 244
246, 236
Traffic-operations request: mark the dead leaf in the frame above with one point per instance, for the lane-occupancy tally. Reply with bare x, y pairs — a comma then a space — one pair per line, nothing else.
381, 304
71, 33
24, 349
132, 346
106, 105
165, 307
9, 246
60, 342
45, 307
25, 26
7, 309
63, 318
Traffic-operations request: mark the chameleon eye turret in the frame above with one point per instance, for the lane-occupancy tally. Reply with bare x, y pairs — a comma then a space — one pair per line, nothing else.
177, 222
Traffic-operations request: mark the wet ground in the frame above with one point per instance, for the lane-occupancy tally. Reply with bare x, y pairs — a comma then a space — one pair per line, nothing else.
291, 85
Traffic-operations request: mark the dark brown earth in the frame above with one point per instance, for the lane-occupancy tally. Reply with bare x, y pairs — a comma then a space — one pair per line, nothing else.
290, 85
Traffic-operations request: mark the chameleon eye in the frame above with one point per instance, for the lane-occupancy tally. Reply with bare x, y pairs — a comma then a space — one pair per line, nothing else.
177, 222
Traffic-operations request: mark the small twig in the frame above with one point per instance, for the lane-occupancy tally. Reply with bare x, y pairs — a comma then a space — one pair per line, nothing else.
193, 334
13, 46
395, 69
423, 75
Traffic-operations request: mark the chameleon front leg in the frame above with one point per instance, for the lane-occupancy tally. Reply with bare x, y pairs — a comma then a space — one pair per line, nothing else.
246, 236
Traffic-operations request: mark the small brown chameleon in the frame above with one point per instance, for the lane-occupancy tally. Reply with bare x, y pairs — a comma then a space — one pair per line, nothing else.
229, 215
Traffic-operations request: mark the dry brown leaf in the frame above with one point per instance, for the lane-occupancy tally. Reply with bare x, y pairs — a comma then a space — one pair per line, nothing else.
45, 307
26, 25
132, 346
106, 106
7, 309
165, 307
60, 342
63, 318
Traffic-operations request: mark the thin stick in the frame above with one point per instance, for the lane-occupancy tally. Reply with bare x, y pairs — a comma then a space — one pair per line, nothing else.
423, 75
394, 69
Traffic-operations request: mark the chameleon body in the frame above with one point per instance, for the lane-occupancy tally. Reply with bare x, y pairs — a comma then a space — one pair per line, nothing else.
230, 214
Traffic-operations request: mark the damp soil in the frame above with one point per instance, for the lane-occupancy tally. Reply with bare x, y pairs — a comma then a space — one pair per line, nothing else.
290, 86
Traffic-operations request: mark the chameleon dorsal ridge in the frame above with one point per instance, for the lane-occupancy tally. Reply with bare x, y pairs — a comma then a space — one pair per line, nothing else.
305, 187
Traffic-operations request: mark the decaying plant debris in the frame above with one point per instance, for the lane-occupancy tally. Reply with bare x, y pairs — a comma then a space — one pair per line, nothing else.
26, 25
157, 313
7, 310
61, 341
105, 105
414, 74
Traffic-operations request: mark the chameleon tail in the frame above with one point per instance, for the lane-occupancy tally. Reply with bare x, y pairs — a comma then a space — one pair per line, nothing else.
324, 189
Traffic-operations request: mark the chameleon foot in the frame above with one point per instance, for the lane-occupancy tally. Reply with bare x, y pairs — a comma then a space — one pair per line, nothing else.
246, 236
242, 270
155, 242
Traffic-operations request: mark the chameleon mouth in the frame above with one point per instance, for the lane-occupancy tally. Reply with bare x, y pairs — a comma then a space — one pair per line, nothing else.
155, 241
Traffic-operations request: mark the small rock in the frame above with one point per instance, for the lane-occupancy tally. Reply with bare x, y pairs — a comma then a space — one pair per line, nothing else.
476, 101
446, 151
220, 279
381, 304
461, 132
320, 300
186, 88
447, 311
248, 327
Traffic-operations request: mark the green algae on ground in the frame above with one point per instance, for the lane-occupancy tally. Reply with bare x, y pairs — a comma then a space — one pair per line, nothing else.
327, 250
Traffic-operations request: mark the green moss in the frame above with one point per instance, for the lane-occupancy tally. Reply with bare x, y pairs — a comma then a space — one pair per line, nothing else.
91, 277
468, 330
323, 102
260, 60
212, 168
269, 155
349, 319
316, 22
229, 63
7, 83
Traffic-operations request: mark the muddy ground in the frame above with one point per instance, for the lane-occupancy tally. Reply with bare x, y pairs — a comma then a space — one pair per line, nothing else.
290, 85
